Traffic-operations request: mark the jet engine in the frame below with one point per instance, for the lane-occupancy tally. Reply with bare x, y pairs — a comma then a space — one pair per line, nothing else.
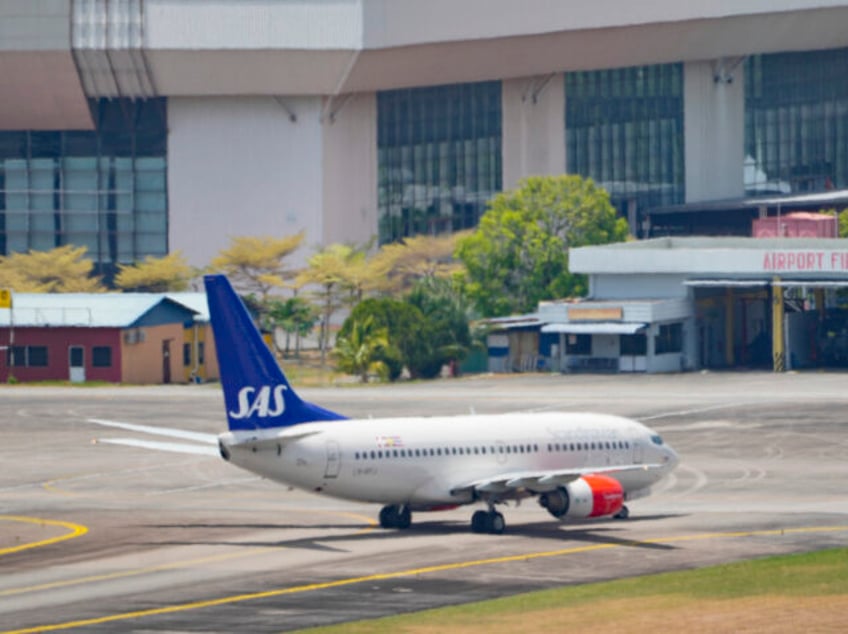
589, 496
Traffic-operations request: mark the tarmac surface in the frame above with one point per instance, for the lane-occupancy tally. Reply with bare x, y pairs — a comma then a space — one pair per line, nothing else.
103, 538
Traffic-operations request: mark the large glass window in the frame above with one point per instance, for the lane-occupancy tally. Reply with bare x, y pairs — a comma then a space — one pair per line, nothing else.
439, 157
104, 189
624, 129
796, 122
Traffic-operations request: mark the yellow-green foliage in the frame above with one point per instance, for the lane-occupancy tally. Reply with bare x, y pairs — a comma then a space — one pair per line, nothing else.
156, 275
400, 264
257, 263
61, 270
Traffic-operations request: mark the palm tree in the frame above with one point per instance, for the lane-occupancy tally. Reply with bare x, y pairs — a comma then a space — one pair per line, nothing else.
359, 352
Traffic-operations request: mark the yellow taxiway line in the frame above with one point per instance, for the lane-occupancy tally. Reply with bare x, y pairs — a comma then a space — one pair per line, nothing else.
238, 598
76, 530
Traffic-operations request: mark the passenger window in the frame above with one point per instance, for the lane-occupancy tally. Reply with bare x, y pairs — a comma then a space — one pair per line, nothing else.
373, 455
394, 453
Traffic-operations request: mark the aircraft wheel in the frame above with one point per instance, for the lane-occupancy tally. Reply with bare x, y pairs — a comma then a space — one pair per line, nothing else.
496, 523
387, 517
403, 517
395, 516
478, 522
623, 514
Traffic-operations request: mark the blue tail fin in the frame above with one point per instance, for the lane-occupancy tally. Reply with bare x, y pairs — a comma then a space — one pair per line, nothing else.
256, 392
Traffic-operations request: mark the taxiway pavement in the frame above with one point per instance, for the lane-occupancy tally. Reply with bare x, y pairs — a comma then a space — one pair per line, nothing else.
104, 538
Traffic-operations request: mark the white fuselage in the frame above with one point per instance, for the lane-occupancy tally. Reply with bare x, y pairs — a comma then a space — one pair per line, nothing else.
428, 462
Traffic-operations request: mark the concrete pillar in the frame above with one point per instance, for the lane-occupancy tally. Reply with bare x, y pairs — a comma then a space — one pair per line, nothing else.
729, 323
533, 127
714, 129
349, 171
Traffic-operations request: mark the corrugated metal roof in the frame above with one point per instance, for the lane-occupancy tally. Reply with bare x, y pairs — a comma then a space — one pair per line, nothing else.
89, 310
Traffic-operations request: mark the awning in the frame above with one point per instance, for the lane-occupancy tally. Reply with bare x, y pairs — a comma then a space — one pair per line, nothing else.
721, 283
596, 328
812, 283
518, 323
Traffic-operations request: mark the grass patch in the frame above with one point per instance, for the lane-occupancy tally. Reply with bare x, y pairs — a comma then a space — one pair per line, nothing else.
775, 594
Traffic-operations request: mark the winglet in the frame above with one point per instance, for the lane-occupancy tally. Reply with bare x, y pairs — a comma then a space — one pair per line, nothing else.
257, 394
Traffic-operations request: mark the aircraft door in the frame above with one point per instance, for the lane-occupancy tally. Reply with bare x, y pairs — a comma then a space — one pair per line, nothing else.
334, 462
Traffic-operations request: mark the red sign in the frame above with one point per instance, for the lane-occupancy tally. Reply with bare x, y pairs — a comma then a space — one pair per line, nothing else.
796, 261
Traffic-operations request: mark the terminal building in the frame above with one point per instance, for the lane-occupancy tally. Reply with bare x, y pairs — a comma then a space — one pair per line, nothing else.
689, 303
141, 127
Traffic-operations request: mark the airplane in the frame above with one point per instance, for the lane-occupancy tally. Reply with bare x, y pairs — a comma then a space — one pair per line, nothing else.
577, 465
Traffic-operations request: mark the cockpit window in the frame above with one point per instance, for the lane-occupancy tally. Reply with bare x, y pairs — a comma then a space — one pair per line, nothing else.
657, 440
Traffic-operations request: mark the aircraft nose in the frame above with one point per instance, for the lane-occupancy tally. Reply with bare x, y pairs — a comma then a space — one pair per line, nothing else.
671, 457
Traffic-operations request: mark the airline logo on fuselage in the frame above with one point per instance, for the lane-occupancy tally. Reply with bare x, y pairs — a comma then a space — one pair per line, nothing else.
262, 402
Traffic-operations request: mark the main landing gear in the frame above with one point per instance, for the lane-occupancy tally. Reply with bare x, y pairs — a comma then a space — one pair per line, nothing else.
488, 522
623, 514
395, 516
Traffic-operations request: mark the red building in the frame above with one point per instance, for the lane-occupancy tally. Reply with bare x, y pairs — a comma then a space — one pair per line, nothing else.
116, 337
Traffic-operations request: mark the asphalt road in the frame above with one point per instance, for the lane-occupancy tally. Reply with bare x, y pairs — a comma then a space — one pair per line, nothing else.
97, 537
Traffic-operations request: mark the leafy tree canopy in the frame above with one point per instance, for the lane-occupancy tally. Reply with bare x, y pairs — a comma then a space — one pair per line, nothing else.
156, 275
61, 270
401, 264
843, 223
404, 323
257, 264
518, 254
448, 336
361, 350
294, 315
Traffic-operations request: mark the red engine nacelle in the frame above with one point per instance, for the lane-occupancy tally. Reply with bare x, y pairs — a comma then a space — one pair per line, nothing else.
589, 496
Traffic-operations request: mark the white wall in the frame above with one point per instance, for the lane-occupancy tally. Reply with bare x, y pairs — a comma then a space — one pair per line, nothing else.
254, 24
714, 128
624, 286
406, 22
533, 129
239, 166
350, 169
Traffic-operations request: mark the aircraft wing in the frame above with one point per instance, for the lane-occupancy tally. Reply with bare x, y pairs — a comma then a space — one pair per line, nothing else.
202, 444
541, 480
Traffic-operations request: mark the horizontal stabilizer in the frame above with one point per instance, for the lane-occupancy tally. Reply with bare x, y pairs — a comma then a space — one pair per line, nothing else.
208, 439
174, 447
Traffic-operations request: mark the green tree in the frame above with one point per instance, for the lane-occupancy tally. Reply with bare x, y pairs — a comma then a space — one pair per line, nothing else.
518, 255
360, 351
843, 223
295, 316
61, 270
156, 275
448, 335
405, 326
